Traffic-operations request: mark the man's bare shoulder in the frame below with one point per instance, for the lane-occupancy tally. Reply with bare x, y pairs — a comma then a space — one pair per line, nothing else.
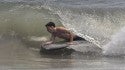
61, 28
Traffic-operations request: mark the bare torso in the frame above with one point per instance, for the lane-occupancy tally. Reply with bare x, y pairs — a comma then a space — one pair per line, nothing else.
63, 33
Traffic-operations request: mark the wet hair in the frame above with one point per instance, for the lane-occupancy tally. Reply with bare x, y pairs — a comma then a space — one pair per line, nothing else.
50, 24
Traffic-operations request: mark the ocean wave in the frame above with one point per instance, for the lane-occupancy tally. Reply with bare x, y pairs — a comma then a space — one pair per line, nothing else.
95, 24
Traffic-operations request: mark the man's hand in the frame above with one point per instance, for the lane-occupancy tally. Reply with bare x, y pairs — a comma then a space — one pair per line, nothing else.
48, 43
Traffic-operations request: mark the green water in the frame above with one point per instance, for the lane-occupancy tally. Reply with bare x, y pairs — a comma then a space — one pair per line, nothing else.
25, 20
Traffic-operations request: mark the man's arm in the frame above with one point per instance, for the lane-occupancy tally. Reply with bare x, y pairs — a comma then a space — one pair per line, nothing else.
71, 37
52, 40
69, 32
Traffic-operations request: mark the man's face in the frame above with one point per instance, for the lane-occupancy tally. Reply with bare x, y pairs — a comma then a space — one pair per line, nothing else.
50, 29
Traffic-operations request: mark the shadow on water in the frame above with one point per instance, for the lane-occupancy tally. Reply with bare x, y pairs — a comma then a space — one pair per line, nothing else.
56, 53
67, 53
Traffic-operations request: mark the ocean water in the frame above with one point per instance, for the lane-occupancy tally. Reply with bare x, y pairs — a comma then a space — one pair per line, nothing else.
100, 22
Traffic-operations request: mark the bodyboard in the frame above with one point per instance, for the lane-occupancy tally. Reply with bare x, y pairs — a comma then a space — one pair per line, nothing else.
54, 46
64, 45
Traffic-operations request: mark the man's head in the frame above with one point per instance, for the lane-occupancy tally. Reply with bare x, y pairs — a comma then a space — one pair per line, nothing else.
50, 24
50, 27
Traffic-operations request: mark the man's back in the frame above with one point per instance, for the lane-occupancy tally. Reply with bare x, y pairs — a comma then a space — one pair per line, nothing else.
62, 32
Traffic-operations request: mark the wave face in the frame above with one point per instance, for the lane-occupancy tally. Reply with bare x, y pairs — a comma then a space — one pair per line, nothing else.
24, 19
98, 21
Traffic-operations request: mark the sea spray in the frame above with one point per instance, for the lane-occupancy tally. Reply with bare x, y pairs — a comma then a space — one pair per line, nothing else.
117, 44
97, 28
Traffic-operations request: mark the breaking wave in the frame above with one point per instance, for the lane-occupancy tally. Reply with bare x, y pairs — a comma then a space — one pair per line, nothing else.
98, 25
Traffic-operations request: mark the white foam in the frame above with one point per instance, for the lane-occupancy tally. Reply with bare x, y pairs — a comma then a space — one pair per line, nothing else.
34, 38
117, 44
